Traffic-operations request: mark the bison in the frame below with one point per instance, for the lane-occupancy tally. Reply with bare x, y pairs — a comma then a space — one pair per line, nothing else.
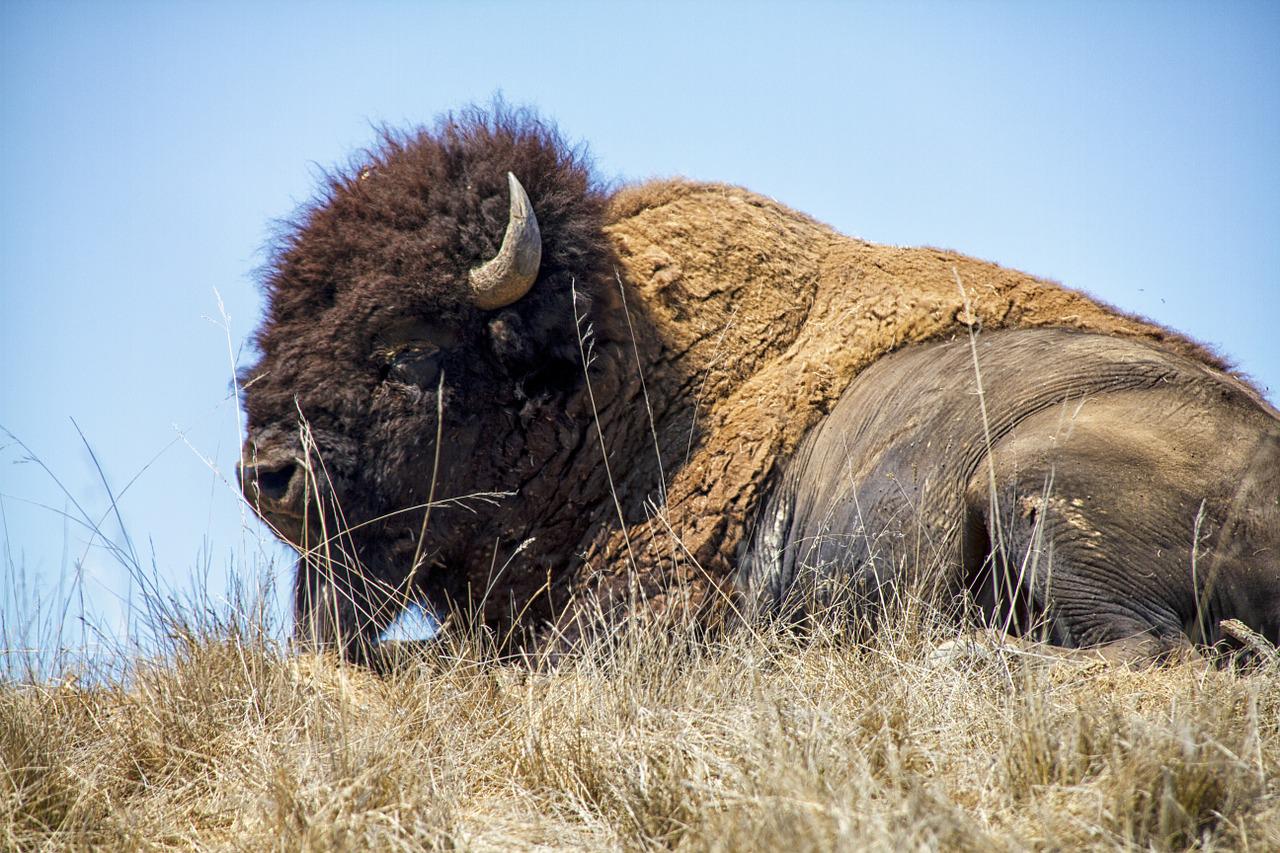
488, 382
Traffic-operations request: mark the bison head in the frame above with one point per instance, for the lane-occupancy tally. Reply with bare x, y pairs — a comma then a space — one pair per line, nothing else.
415, 404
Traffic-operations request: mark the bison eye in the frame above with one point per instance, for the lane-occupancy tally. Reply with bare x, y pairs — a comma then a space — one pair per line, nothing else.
416, 364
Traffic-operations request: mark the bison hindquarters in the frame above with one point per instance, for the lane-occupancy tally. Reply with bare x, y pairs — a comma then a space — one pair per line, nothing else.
1092, 490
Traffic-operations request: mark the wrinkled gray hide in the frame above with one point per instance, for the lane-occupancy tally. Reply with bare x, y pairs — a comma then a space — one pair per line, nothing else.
1124, 494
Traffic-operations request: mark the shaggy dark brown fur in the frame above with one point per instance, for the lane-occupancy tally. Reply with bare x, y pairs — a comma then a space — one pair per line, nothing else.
716, 328
381, 260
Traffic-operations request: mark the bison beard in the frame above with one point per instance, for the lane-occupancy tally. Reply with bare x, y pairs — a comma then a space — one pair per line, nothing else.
487, 383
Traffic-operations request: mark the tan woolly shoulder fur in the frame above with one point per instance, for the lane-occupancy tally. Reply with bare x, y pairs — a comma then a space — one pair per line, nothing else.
769, 315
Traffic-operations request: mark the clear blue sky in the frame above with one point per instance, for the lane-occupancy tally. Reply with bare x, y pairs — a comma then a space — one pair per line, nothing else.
1128, 149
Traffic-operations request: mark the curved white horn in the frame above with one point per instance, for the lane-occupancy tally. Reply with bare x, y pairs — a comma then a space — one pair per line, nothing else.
509, 274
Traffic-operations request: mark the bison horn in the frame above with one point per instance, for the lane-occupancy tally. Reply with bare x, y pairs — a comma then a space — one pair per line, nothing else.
510, 273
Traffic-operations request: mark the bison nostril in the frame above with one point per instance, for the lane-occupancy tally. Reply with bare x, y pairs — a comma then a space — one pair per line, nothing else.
269, 483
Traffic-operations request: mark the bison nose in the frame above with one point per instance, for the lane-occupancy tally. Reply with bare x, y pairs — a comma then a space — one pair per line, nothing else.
271, 486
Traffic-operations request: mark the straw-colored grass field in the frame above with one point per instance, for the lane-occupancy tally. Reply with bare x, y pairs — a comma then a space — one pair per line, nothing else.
757, 740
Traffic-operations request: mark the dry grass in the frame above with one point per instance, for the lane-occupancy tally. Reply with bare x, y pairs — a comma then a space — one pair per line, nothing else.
751, 741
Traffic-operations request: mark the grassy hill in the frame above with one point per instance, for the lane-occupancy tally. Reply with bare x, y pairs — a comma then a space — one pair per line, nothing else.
757, 740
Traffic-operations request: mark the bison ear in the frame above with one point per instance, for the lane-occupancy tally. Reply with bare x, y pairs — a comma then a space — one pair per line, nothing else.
536, 368
510, 341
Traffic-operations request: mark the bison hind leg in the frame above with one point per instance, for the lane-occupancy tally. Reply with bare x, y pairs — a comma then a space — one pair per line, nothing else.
1031, 575
1000, 568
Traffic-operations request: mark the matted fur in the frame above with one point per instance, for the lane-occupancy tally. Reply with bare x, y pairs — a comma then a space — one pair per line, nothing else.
719, 326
